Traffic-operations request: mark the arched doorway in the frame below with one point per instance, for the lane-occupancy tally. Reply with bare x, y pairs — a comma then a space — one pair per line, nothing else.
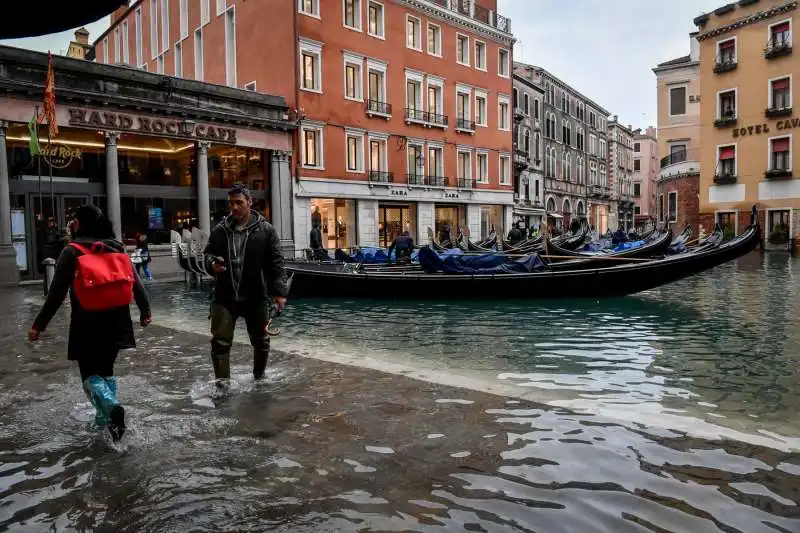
566, 211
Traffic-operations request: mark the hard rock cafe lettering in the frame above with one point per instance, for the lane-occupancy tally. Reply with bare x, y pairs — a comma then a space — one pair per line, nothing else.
780, 125
153, 126
59, 155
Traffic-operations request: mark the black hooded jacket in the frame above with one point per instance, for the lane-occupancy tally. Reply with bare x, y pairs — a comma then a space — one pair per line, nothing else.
259, 273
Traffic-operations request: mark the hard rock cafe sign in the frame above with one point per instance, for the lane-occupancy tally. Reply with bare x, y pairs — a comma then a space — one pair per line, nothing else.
148, 125
60, 156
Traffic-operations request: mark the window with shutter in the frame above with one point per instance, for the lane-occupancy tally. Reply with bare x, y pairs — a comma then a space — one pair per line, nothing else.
677, 101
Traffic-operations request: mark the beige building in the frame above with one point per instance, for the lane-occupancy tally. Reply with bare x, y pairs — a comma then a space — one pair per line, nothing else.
748, 74
80, 47
620, 176
679, 140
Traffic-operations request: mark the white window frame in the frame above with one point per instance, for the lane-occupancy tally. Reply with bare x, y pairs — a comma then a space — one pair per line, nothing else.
358, 134
719, 42
231, 71
383, 138
466, 90
769, 90
485, 67
164, 26
178, 56
153, 29
504, 98
770, 140
205, 12
526, 104
463, 150
504, 160
735, 101
778, 23
467, 52
382, 24
315, 7
320, 128
139, 41
434, 145
250, 86
666, 207
480, 93
735, 157
409, 18
670, 88
434, 53
500, 63
352, 59
382, 67
481, 153
419, 143
434, 81
199, 66
359, 15
419, 78
126, 55
221, 6
314, 48
117, 45
160, 64
184, 18
105, 49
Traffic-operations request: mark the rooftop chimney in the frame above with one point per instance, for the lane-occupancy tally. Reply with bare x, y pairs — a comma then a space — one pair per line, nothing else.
82, 36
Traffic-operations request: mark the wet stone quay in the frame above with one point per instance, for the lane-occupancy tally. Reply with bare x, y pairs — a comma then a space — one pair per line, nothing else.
671, 411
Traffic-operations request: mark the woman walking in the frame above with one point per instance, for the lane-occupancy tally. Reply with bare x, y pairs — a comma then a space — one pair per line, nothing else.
101, 280
141, 256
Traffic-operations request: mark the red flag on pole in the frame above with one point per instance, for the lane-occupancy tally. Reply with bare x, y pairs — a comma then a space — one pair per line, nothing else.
49, 108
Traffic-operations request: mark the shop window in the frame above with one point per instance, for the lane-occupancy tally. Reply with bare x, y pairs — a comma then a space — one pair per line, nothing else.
147, 161
156, 217
394, 219
491, 220
230, 164
672, 206
778, 226
449, 219
337, 221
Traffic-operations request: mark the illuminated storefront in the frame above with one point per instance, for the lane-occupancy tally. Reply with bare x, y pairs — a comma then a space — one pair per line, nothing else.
152, 172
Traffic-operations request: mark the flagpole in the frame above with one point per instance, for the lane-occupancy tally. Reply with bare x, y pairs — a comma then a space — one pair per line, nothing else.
50, 166
39, 167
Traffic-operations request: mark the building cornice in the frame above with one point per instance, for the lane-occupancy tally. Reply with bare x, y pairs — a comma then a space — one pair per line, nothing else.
565, 86
457, 19
746, 21
679, 66
528, 83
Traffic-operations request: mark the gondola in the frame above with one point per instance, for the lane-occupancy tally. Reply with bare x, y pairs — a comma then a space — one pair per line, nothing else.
326, 280
654, 248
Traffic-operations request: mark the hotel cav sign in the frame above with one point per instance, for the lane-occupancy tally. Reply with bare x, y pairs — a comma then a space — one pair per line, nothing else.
151, 126
780, 125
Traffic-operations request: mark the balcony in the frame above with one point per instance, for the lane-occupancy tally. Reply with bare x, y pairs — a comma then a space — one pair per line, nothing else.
724, 179
425, 118
725, 64
379, 108
680, 162
521, 159
464, 125
519, 114
777, 48
596, 191
729, 119
417, 179
469, 9
778, 174
438, 181
380, 176
773, 112
465, 183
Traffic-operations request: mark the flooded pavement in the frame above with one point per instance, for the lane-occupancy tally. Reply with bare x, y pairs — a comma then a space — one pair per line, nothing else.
322, 446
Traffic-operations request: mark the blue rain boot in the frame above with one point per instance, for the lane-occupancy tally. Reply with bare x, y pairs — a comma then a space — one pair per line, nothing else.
104, 392
100, 417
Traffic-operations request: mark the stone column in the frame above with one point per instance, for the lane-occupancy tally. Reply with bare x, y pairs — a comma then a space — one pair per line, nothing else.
280, 187
9, 275
203, 198
474, 222
426, 218
367, 222
112, 183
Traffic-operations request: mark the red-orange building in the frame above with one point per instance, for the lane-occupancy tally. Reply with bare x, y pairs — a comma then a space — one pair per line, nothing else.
403, 106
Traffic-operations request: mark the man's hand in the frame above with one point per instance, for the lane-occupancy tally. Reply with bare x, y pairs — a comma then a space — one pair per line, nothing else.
145, 320
33, 334
280, 303
218, 265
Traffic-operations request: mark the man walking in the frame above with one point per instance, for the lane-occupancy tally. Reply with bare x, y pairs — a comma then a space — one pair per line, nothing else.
243, 254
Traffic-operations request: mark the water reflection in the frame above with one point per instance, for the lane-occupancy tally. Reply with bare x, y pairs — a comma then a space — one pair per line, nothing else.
326, 447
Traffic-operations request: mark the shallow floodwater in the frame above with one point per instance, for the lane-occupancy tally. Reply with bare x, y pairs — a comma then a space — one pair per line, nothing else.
674, 410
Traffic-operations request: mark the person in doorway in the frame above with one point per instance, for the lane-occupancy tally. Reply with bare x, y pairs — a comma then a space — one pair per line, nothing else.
316, 217
141, 257
100, 326
515, 235
403, 246
244, 255
315, 243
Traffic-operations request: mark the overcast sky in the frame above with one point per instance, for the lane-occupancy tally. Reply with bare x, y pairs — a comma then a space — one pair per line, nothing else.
605, 49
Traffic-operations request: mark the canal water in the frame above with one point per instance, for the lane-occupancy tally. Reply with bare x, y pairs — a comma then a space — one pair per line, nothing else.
673, 410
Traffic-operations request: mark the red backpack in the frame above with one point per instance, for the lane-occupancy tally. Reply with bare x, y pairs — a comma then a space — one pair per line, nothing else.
103, 279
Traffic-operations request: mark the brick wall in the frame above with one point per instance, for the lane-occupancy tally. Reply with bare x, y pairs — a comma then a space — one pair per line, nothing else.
688, 208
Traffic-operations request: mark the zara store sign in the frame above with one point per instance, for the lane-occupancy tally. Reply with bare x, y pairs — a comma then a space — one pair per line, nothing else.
150, 126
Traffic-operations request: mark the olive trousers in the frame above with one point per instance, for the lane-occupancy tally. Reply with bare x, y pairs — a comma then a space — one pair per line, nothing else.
223, 323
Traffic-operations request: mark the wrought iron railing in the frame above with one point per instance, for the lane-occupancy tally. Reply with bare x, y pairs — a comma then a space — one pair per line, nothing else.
477, 13
438, 181
778, 48
378, 106
465, 183
380, 176
416, 179
465, 124
425, 116
724, 64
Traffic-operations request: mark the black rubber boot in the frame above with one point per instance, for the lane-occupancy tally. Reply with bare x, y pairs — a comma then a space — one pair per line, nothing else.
116, 423
260, 360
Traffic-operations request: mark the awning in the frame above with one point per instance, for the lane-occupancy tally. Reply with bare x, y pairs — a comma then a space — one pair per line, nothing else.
555, 215
528, 211
37, 17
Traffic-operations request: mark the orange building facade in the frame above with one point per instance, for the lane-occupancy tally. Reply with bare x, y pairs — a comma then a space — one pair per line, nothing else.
403, 107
